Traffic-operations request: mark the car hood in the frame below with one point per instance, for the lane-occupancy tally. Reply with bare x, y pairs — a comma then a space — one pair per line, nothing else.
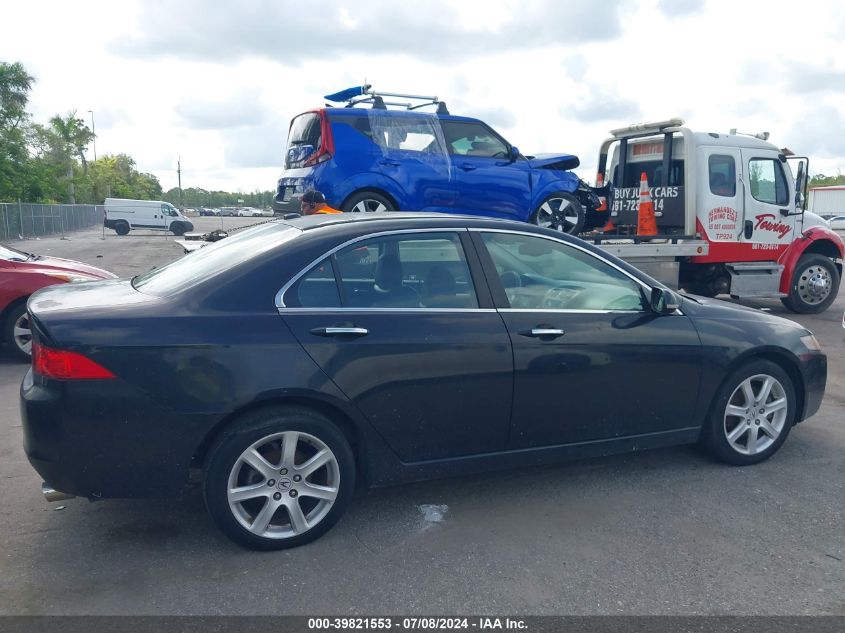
56, 264
563, 162
704, 307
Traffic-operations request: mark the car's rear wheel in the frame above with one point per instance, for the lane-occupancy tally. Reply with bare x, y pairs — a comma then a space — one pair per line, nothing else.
279, 478
121, 228
367, 201
752, 414
561, 212
18, 334
814, 286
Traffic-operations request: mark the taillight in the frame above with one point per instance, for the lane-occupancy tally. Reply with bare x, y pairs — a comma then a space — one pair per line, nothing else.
63, 365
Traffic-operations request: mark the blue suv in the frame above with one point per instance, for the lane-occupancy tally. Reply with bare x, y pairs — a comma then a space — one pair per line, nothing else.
375, 159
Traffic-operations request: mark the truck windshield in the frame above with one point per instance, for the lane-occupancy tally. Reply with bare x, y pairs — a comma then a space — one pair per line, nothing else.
212, 260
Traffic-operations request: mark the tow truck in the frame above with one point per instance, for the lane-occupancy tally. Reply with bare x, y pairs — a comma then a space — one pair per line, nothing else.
730, 215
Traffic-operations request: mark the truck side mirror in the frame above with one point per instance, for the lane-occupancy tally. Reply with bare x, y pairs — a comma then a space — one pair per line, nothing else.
800, 183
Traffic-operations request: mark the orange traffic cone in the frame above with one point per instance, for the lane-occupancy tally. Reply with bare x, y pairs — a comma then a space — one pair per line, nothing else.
609, 226
646, 222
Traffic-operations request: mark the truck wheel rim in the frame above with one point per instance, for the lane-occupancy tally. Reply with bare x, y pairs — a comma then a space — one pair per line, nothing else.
369, 205
283, 485
814, 285
558, 214
755, 414
22, 334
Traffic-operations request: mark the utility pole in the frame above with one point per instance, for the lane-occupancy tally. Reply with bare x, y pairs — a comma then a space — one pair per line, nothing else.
94, 133
179, 174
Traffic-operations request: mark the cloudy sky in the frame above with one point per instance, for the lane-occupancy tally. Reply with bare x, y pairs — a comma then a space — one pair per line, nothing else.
216, 82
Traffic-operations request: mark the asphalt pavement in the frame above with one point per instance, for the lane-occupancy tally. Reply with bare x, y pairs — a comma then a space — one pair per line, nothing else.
660, 532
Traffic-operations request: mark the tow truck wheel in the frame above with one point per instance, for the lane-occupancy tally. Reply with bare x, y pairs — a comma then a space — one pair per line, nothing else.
815, 283
561, 212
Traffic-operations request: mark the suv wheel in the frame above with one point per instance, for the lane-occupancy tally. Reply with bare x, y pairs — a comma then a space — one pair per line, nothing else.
17, 333
280, 478
561, 212
367, 201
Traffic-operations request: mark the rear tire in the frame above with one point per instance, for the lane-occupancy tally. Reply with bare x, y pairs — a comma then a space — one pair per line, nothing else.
562, 212
265, 457
752, 414
367, 201
122, 228
17, 333
814, 285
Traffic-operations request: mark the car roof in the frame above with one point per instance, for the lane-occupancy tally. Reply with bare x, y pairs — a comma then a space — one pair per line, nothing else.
401, 219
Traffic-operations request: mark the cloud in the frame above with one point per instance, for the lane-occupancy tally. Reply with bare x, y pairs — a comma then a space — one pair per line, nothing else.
806, 78
295, 32
237, 110
811, 135
255, 146
676, 8
601, 105
497, 118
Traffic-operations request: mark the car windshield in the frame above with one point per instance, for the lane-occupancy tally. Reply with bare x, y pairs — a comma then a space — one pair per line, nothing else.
214, 259
12, 255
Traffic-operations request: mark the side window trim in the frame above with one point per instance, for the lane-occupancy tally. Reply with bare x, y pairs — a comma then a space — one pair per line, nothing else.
280, 295
500, 300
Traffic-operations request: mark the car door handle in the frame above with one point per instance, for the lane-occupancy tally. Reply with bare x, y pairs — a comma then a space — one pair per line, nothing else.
467, 166
543, 332
389, 163
340, 331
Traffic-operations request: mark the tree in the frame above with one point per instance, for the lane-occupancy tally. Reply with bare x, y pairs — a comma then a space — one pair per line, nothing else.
15, 84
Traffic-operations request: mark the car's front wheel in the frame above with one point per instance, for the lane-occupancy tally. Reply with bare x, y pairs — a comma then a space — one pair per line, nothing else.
752, 414
562, 212
280, 477
18, 334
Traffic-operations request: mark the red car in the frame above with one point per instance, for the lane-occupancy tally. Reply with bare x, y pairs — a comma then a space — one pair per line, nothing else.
21, 274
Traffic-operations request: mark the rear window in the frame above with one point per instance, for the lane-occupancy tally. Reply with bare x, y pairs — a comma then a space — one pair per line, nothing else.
212, 260
653, 171
304, 130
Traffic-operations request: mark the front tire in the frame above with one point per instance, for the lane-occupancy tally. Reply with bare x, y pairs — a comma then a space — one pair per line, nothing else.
752, 414
17, 333
814, 285
366, 202
177, 228
562, 212
280, 477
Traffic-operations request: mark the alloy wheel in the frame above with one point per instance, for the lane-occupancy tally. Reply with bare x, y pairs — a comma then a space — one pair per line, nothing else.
755, 414
559, 214
283, 485
22, 334
369, 205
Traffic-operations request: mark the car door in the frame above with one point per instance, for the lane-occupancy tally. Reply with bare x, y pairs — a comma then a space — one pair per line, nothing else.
488, 182
722, 198
768, 196
591, 360
404, 328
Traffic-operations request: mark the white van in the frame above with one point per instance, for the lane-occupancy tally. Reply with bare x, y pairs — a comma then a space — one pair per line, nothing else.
122, 215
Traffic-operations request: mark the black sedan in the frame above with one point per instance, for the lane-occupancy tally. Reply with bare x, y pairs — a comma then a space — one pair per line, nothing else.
300, 358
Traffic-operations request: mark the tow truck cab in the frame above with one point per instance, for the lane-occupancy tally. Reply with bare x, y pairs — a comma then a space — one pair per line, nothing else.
733, 206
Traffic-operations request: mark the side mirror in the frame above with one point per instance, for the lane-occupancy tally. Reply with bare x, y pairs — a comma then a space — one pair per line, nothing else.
800, 183
513, 154
663, 301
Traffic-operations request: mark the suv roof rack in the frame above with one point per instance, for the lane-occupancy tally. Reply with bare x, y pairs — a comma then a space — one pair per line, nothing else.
358, 95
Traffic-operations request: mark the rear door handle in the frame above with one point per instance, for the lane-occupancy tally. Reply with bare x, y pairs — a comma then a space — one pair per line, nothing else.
389, 163
543, 332
352, 332
467, 166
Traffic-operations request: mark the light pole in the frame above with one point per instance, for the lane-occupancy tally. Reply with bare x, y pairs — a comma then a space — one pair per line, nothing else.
94, 133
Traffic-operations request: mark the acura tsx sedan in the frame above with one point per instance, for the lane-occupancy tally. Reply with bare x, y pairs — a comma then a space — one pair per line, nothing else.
301, 358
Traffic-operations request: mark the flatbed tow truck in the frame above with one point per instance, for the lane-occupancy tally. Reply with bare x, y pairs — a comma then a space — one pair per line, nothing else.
730, 215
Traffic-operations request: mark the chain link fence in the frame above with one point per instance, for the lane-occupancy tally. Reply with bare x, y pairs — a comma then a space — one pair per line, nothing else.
21, 220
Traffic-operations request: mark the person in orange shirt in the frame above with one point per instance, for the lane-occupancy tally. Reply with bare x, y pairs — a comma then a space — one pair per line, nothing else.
314, 202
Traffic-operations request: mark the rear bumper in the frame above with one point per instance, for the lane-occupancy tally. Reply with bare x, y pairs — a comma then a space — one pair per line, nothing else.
101, 440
